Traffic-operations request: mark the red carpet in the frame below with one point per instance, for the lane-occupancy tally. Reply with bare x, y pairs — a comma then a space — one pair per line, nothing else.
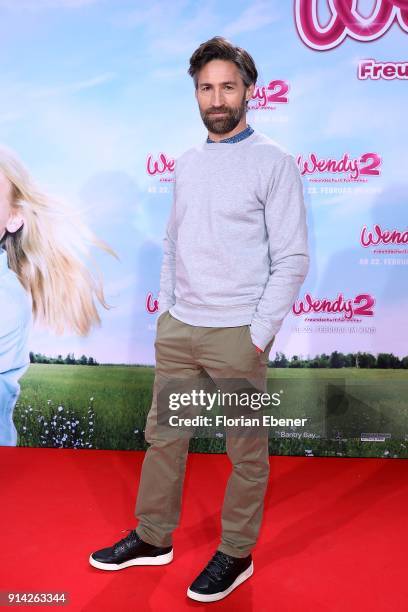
334, 537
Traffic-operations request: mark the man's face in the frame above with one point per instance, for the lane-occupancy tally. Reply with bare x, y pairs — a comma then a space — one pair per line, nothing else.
221, 96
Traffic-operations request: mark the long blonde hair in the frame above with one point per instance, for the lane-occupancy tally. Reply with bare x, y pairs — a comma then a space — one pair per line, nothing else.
50, 254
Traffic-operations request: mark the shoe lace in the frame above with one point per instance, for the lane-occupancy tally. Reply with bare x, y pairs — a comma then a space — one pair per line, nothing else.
128, 540
218, 565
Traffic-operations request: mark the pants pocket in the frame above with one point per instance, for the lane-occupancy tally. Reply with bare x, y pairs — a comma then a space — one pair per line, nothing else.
266, 352
161, 317
252, 345
264, 355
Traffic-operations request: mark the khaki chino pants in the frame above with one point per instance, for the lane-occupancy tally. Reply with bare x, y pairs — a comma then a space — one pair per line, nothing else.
207, 354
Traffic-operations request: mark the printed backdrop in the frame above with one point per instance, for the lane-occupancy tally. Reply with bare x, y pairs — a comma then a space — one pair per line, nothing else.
97, 102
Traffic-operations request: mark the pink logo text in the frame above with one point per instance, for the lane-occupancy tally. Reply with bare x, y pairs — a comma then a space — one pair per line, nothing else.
361, 305
274, 92
367, 164
159, 166
346, 20
369, 238
152, 304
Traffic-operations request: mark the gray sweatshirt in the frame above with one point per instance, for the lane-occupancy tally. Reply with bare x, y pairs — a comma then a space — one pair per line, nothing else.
235, 249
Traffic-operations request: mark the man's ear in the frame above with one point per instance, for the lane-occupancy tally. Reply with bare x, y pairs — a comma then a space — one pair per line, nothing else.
14, 223
250, 91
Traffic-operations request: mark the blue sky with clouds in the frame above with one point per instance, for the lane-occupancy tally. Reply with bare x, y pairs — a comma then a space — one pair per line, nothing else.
89, 88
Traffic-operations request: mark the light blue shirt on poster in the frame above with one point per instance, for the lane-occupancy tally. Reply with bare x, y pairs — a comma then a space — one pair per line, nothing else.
15, 324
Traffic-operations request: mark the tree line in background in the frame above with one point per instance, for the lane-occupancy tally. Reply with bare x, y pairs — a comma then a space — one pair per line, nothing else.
334, 360
340, 360
68, 360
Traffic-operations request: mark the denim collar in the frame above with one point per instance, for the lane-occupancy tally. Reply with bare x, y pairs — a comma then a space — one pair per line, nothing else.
237, 137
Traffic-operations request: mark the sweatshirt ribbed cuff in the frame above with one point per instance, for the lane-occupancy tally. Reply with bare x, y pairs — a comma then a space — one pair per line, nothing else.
260, 334
163, 306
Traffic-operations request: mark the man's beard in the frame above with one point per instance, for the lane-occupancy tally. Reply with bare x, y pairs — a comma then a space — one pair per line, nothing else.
223, 125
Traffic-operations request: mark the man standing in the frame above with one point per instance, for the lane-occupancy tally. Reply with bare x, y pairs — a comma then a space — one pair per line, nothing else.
235, 256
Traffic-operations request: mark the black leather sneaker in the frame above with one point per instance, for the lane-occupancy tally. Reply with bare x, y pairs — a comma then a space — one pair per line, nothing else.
221, 576
131, 550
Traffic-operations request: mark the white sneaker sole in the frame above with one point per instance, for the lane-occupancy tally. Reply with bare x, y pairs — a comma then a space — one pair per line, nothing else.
159, 560
217, 596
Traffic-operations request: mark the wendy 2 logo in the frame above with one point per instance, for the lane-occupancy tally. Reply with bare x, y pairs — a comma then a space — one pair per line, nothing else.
346, 308
151, 303
161, 165
383, 237
276, 92
350, 169
347, 21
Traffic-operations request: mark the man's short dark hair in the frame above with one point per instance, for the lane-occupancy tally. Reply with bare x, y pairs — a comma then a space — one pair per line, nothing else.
221, 48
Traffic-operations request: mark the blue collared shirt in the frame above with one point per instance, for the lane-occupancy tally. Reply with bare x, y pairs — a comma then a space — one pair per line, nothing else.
237, 137
15, 324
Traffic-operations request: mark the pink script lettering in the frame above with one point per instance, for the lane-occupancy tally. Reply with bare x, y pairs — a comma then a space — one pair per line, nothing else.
159, 166
346, 20
364, 301
367, 164
378, 235
152, 304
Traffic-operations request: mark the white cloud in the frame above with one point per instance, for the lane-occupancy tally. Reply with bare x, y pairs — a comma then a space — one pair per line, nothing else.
154, 15
89, 139
257, 15
169, 73
194, 21
163, 22
73, 87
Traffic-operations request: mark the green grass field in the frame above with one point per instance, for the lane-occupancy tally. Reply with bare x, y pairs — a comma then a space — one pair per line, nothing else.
105, 407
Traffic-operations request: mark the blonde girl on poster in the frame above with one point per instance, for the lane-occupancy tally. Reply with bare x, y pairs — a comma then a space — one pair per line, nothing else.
44, 276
